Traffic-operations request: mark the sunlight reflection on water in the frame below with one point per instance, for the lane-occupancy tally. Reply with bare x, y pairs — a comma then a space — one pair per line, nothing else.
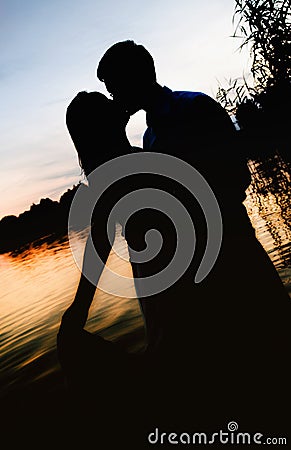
37, 287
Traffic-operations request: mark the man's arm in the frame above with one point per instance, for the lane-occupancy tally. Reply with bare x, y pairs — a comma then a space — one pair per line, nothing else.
219, 145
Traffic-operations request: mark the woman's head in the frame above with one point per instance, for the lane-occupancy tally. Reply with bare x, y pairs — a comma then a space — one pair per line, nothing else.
97, 129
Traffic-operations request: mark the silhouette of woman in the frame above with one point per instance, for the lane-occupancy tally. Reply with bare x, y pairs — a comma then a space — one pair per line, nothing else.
99, 375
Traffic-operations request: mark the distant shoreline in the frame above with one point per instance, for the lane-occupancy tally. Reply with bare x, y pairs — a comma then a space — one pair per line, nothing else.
43, 222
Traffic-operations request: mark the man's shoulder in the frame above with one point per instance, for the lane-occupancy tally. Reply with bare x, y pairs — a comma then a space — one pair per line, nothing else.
195, 104
187, 95
191, 101
193, 97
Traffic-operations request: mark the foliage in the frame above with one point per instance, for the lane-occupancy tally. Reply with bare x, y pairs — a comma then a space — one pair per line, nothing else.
265, 26
233, 92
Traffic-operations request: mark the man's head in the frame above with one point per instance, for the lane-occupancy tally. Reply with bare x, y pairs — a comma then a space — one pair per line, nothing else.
128, 71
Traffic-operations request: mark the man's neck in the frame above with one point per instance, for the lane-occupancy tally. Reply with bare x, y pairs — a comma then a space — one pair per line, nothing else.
152, 97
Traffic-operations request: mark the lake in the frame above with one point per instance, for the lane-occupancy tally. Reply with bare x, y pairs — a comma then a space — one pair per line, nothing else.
38, 284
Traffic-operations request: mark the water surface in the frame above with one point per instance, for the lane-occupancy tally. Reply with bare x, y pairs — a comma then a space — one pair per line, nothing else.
38, 284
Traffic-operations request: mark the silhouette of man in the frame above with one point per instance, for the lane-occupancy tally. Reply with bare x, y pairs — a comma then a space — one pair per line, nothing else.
189, 125
233, 308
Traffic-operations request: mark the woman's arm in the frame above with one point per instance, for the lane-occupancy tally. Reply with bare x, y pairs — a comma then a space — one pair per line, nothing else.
97, 250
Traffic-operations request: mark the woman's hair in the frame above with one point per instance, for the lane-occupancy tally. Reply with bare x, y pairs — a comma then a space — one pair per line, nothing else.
91, 125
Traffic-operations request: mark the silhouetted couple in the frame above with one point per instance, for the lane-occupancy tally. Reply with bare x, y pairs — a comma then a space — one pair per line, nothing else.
215, 350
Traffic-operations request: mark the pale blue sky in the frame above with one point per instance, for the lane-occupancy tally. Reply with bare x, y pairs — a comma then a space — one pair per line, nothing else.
49, 50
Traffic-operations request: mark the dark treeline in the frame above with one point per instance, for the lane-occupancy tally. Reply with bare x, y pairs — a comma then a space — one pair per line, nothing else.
43, 221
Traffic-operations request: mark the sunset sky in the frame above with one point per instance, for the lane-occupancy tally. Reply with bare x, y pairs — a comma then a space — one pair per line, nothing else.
49, 50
